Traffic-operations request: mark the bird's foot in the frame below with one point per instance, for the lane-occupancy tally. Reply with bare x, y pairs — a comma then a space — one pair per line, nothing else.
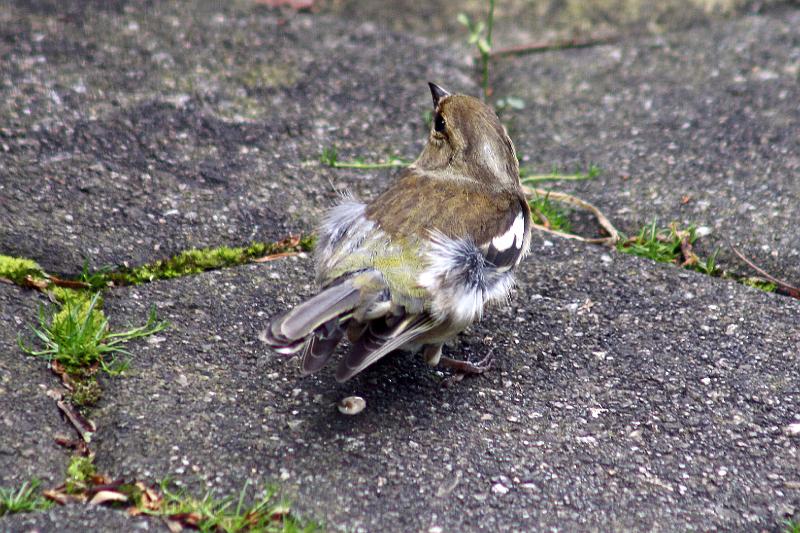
465, 368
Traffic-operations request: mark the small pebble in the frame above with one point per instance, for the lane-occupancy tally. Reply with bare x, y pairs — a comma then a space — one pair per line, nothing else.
352, 405
500, 489
793, 429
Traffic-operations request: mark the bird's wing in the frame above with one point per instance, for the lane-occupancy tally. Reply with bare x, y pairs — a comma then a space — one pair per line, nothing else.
506, 239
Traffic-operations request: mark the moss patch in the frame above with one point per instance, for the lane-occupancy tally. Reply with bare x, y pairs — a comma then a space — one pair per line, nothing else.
200, 260
17, 269
79, 474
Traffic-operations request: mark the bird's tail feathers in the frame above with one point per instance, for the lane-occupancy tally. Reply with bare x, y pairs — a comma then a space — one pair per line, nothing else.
380, 338
317, 325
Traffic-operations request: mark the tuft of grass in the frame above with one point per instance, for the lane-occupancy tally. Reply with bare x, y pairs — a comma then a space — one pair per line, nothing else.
659, 244
79, 337
792, 526
555, 175
25, 499
548, 213
95, 280
195, 261
709, 266
17, 269
480, 34
231, 514
330, 157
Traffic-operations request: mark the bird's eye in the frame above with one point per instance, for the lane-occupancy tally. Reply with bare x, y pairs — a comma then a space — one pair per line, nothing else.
438, 123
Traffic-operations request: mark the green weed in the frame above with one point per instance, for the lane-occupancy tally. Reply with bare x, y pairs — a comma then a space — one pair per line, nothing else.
548, 213
79, 337
659, 244
25, 499
709, 266
480, 34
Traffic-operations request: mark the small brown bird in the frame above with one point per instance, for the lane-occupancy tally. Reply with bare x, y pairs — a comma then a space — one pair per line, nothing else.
416, 266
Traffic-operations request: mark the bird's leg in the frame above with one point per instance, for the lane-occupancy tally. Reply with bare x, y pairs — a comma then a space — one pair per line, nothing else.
465, 368
432, 353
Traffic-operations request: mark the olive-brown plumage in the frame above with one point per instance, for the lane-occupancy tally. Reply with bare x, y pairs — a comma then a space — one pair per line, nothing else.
416, 266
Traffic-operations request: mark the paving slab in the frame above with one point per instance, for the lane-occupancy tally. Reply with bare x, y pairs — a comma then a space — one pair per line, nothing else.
136, 131
29, 419
698, 127
626, 395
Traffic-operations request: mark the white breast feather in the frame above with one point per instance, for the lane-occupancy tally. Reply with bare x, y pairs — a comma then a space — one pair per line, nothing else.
460, 288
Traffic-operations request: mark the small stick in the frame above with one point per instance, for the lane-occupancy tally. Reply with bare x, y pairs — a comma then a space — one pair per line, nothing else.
545, 223
613, 234
789, 289
547, 46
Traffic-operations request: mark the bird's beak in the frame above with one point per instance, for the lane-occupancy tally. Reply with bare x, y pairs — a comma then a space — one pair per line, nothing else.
437, 92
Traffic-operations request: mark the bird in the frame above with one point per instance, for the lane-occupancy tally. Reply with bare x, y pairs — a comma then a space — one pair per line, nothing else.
417, 265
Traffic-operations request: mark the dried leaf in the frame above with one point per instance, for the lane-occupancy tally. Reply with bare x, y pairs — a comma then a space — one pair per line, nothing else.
82, 425
56, 495
106, 496
174, 527
55, 394
689, 257
187, 519
279, 513
59, 370
73, 444
150, 498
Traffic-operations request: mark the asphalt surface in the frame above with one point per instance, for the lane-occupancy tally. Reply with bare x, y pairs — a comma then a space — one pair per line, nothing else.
626, 395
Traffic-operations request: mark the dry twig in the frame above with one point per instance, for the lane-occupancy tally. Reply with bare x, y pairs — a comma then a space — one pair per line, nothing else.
613, 234
547, 46
790, 290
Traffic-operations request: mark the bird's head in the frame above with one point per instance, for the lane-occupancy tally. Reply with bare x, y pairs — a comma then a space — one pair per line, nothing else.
467, 140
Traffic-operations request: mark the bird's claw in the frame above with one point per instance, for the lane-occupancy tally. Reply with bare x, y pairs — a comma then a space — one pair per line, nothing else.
465, 368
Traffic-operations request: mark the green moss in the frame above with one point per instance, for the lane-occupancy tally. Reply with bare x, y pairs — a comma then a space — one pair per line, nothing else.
267, 76
200, 260
86, 391
17, 269
761, 284
79, 474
